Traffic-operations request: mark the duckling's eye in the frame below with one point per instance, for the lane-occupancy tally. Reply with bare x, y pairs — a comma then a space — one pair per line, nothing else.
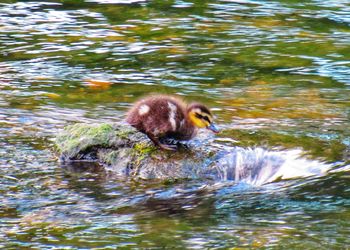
203, 117
206, 118
199, 116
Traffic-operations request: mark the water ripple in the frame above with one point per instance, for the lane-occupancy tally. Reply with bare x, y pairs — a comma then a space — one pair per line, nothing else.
276, 74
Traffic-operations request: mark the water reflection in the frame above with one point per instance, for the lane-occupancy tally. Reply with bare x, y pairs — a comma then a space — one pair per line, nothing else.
276, 73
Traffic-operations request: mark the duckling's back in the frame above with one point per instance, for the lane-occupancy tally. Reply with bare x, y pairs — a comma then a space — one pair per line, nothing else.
161, 116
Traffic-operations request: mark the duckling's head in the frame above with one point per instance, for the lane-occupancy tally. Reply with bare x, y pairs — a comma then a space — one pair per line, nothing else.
201, 117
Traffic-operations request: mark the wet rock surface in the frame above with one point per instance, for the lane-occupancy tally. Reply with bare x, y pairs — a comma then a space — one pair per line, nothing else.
122, 150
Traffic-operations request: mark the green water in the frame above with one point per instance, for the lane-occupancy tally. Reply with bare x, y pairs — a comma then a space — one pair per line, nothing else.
276, 74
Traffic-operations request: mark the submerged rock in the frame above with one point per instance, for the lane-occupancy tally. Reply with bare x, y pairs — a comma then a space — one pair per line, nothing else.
121, 149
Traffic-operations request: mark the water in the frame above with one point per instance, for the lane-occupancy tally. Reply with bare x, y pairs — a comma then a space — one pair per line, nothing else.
276, 74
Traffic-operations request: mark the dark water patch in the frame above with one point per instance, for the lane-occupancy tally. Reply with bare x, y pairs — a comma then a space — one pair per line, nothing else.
275, 72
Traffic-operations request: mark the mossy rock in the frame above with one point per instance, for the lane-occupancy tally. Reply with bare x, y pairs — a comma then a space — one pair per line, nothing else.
125, 151
122, 150
78, 138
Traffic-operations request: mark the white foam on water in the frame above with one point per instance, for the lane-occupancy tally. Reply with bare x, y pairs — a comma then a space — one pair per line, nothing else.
258, 166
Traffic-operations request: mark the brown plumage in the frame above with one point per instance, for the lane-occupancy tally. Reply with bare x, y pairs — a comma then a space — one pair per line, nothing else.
167, 117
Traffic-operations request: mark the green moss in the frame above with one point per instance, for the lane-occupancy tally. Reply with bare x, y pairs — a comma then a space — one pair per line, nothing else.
141, 150
75, 138
124, 133
144, 148
109, 157
88, 130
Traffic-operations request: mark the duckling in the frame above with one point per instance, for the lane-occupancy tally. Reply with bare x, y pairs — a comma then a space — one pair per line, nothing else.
164, 117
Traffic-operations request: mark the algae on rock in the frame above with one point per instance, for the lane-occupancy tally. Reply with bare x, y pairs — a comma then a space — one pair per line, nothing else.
122, 149
78, 138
